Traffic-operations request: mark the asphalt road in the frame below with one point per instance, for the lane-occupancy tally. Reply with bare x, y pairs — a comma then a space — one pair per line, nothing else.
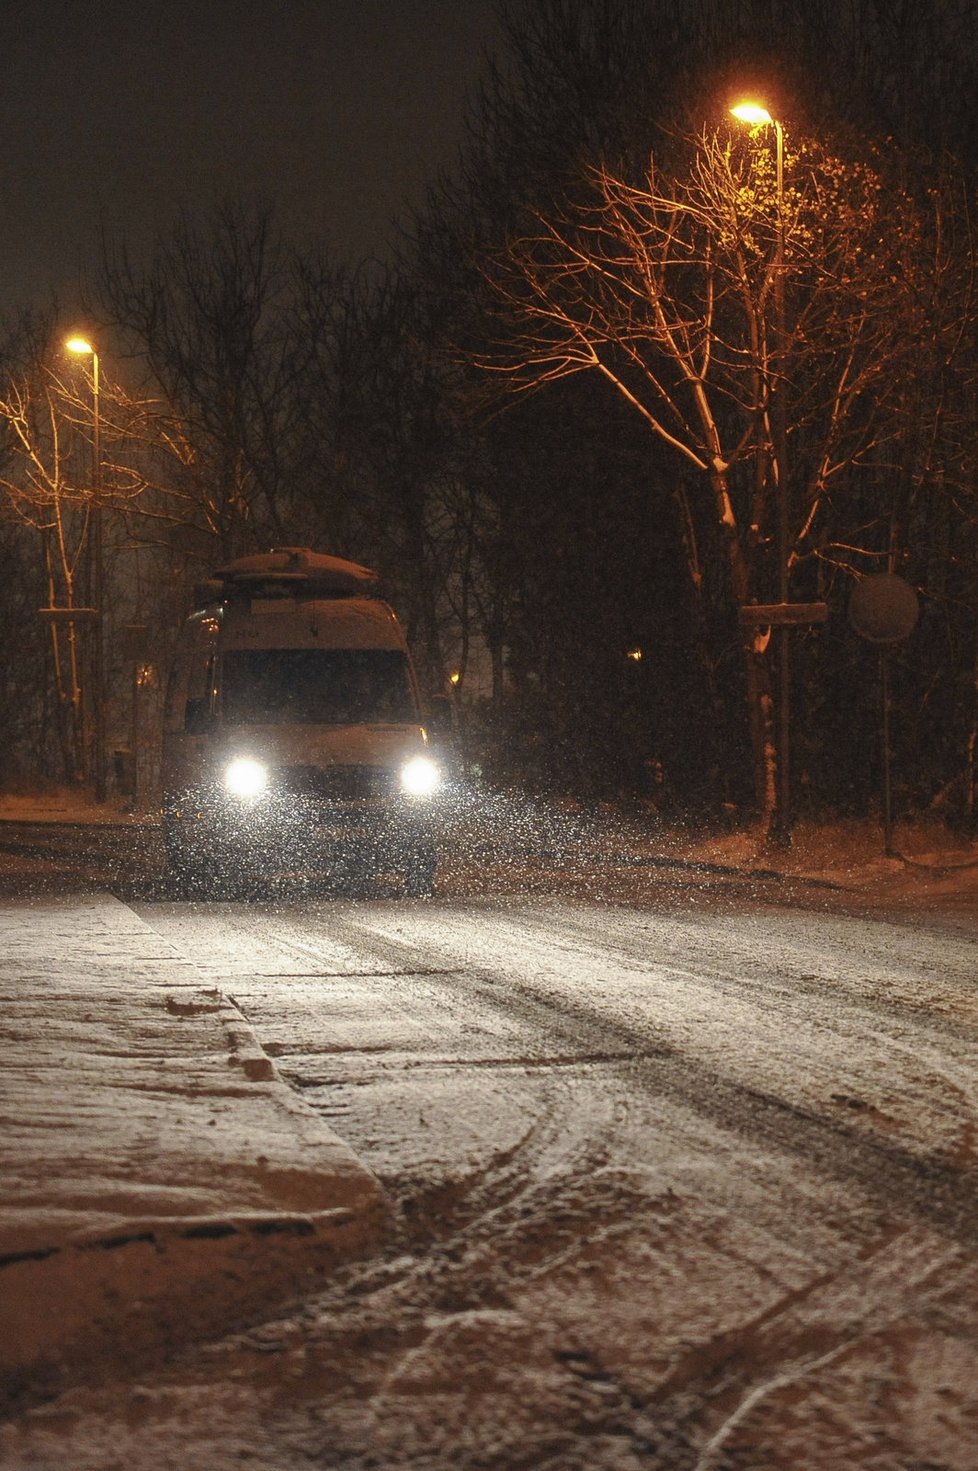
683, 1173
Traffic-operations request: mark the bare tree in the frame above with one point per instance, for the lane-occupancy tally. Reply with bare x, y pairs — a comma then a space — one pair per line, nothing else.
47, 484
211, 315
707, 298
382, 421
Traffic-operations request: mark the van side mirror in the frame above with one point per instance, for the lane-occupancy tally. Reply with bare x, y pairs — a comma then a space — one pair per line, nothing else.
198, 718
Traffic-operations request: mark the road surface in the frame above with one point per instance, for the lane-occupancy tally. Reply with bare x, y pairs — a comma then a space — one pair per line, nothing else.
683, 1177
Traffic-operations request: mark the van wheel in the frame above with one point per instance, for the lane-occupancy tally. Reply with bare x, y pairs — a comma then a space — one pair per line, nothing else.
184, 880
352, 873
183, 876
419, 872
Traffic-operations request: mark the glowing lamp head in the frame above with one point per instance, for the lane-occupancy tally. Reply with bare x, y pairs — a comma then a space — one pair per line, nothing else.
245, 778
420, 777
80, 345
753, 113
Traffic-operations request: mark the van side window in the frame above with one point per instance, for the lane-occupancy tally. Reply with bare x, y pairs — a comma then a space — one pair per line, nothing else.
190, 693
199, 712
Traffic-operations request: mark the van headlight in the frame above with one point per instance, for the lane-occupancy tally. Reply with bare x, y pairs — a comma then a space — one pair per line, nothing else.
419, 776
245, 777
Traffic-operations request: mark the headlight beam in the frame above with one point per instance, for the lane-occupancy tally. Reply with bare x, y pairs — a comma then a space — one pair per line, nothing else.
245, 778
420, 776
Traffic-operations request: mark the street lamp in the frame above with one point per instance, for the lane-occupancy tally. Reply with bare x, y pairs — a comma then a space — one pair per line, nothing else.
756, 116
84, 348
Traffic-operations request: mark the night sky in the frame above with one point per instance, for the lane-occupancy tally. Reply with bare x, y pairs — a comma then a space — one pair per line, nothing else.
336, 110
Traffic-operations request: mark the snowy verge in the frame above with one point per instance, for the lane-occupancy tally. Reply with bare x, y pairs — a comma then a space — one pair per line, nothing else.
160, 1179
477, 823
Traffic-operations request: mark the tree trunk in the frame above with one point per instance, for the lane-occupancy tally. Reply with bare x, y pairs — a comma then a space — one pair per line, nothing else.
760, 706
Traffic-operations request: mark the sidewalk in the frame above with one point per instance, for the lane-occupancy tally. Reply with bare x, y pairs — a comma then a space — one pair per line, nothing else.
158, 1179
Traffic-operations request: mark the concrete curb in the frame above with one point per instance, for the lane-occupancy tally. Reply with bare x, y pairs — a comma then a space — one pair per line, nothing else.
160, 1179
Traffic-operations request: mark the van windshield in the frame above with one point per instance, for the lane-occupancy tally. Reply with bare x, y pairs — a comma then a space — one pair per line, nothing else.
317, 687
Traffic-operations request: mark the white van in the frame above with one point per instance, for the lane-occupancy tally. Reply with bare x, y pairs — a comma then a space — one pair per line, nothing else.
293, 736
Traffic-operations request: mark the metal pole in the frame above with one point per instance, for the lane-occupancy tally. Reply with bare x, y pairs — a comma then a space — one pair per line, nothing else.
134, 739
888, 847
782, 816
98, 589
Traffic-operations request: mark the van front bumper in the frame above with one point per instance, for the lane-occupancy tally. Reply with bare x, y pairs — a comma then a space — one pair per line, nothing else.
209, 829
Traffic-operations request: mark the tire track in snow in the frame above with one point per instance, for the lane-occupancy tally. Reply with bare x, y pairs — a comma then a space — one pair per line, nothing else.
893, 1175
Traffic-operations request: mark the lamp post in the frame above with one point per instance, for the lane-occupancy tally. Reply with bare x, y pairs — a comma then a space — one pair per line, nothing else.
757, 116
84, 348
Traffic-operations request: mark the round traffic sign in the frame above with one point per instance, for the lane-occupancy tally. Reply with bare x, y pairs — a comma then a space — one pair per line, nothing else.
883, 608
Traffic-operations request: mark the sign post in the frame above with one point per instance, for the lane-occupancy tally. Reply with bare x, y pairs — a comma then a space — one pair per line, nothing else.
782, 615
883, 609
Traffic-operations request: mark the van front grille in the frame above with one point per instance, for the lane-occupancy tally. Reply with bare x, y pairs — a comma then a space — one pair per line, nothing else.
338, 783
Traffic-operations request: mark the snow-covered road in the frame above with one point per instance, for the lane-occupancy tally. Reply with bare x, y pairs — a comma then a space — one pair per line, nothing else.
686, 1183
848, 1039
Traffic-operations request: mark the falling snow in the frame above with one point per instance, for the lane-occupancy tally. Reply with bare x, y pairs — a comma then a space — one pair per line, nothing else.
676, 1143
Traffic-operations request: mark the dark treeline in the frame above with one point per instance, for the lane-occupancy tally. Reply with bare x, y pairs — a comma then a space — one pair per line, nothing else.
604, 542
534, 530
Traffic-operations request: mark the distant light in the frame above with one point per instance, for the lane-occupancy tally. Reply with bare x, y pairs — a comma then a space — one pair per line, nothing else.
635, 654
455, 677
752, 112
420, 776
79, 344
245, 778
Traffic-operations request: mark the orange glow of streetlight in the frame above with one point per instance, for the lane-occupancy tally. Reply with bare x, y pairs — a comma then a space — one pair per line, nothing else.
756, 115
84, 348
753, 113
